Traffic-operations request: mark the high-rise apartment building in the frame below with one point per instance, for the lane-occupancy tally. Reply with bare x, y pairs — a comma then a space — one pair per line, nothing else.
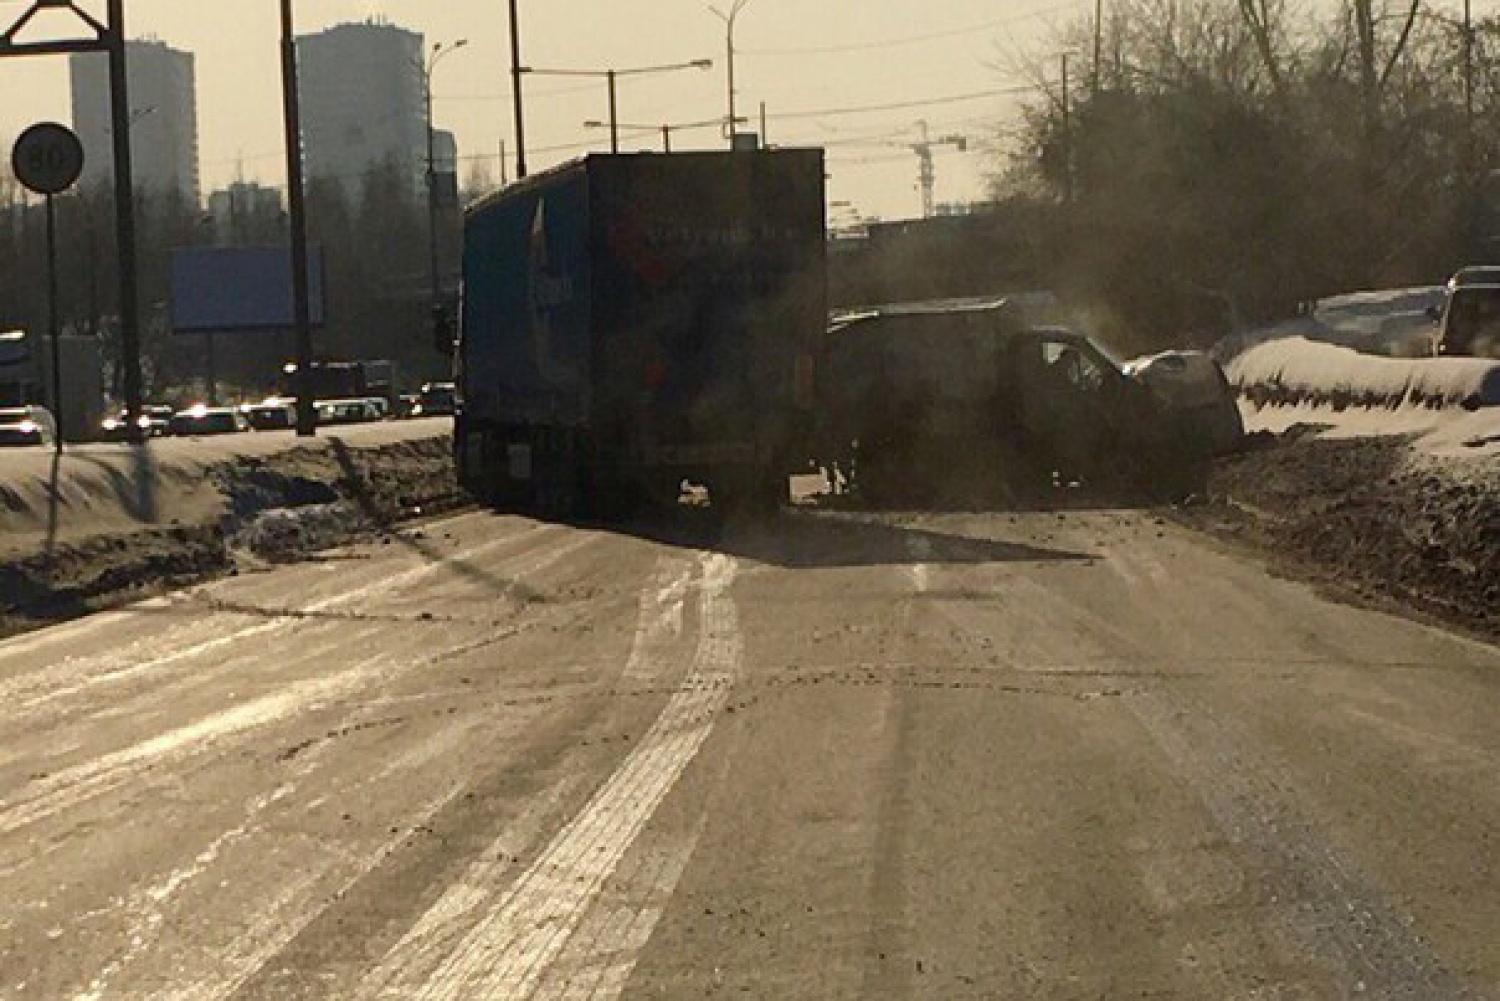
362, 102
163, 119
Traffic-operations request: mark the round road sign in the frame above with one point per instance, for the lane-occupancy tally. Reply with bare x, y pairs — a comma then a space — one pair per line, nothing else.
47, 158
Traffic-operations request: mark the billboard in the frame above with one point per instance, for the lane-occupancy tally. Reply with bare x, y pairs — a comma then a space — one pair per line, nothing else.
240, 289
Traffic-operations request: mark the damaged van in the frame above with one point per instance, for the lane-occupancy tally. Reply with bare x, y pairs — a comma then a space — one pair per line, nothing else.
922, 402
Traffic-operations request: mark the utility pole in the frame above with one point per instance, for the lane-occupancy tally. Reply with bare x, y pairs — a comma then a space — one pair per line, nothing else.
130, 319
614, 116
611, 76
307, 415
515, 85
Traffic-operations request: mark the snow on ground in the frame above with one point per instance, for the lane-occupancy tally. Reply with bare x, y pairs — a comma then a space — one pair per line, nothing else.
105, 488
104, 522
1296, 370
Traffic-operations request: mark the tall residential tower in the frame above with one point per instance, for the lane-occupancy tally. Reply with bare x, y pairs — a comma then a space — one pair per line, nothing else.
163, 119
362, 102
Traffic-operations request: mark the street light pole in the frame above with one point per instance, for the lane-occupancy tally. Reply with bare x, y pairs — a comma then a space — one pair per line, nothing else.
516, 69
426, 69
728, 19
614, 116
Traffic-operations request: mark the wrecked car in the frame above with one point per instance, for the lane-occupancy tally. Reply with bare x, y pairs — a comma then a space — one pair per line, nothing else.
922, 401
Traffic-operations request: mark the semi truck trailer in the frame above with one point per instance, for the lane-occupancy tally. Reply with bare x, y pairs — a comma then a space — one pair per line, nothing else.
632, 322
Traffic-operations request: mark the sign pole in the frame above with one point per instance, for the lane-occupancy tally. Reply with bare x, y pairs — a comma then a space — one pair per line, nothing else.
52, 325
48, 159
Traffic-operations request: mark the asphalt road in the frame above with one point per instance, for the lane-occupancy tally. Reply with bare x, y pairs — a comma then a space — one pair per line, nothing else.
951, 756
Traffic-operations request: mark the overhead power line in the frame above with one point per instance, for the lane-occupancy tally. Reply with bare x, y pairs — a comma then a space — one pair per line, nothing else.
894, 43
907, 105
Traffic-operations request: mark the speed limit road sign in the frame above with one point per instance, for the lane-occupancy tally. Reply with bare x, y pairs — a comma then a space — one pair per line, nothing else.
48, 158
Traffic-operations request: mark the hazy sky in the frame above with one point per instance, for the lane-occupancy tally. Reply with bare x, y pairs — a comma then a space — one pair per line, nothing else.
807, 59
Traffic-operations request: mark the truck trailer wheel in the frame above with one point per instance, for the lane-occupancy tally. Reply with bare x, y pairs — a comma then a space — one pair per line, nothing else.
757, 494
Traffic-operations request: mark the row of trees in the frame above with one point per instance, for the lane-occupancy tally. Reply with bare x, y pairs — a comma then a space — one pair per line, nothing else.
1218, 162
373, 236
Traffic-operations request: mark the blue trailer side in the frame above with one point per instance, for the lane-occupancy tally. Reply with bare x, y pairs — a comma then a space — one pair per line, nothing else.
631, 321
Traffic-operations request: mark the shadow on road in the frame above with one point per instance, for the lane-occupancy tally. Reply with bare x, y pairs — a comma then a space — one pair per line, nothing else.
54, 502
381, 514
808, 539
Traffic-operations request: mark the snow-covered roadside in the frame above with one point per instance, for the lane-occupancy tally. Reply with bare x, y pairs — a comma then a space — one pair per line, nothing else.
1297, 371
113, 521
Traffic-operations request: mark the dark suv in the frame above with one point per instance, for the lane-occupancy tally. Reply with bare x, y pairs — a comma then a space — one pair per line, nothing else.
1470, 324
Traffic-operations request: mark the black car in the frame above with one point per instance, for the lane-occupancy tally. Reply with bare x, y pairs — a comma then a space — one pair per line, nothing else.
437, 399
21, 426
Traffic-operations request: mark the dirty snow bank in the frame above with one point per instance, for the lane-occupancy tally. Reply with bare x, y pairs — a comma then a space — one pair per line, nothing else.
1294, 371
1405, 528
110, 524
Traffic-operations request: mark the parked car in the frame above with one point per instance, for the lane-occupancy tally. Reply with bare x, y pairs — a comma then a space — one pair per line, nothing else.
274, 414
20, 426
406, 406
437, 399
1470, 321
361, 411
201, 420
155, 422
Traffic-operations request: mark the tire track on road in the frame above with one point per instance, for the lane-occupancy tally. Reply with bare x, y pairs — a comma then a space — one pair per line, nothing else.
63, 679
508, 950
286, 915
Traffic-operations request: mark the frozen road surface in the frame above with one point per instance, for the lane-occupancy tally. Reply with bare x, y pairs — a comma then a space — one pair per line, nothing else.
951, 756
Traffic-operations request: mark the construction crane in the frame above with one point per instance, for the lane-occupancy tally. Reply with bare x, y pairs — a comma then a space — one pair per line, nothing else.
927, 176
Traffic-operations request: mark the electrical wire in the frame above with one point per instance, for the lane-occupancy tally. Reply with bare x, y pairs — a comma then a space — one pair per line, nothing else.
819, 50
906, 105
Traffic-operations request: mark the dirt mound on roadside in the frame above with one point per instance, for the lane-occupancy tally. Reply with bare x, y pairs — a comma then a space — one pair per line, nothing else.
1374, 516
274, 508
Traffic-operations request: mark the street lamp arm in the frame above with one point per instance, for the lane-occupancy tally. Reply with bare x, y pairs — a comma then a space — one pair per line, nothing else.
439, 51
696, 64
